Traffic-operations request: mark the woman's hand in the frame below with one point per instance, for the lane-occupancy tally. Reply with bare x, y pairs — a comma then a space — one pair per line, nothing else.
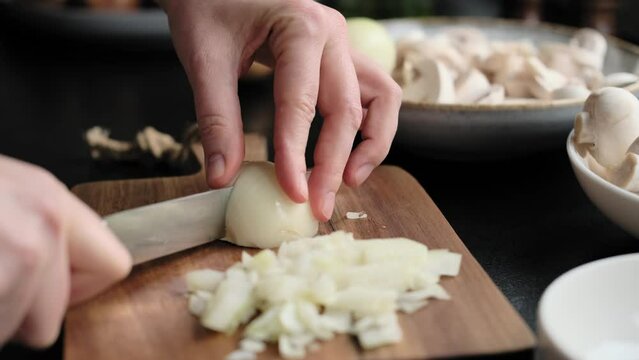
307, 45
54, 251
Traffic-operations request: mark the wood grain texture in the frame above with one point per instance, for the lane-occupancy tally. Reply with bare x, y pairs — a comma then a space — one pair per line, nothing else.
146, 317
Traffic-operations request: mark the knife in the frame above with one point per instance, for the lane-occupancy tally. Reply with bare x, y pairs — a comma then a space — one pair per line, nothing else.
164, 228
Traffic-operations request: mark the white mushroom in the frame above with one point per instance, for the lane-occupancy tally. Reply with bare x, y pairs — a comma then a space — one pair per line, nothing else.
627, 174
571, 92
433, 84
496, 95
517, 88
507, 67
608, 125
591, 40
484, 71
511, 74
471, 86
470, 42
559, 57
441, 50
436, 48
544, 80
620, 79
593, 78
522, 47
589, 48
405, 72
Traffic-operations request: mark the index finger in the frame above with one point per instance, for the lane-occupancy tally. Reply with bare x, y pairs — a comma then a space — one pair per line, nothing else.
339, 102
382, 98
96, 256
297, 51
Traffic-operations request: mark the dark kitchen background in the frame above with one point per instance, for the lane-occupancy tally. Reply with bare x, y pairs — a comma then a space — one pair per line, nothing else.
58, 79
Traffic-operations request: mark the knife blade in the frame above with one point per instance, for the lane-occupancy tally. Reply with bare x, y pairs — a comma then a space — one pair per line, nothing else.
164, 228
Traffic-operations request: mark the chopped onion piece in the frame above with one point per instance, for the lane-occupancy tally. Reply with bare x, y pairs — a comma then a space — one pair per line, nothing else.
356, 215
365, 301
410, 307
252, 345
231, 305
290, 320
265, 327
198, 301
204, 279
381, 333
289, 349
432, 291
338, 321
444, 262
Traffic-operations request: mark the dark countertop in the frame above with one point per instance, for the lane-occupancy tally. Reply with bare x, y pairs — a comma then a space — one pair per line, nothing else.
525, 220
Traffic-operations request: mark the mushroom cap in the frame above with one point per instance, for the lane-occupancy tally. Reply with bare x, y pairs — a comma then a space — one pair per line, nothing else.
613, 122
591, 40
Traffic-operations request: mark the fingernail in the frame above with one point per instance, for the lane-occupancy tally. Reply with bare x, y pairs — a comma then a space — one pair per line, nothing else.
328, 204
363, 172
216, 166
303, 185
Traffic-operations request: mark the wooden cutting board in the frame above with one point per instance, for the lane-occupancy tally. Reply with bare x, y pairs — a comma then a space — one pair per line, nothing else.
146, 317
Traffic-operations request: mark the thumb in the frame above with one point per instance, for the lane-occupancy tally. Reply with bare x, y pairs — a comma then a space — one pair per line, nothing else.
96, 256
214, 81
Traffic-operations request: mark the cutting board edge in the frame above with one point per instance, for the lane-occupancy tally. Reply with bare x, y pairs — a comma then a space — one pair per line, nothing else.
532, 338
524, 344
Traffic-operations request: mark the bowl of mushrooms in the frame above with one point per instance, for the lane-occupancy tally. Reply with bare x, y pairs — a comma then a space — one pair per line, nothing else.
604, 152
488, 88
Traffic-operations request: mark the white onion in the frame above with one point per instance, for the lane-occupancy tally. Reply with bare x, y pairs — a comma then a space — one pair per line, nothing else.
314, 288
371, 39
259, 213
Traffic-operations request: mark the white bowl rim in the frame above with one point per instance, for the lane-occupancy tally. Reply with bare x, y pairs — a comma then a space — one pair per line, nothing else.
533, 105
543, 318
578, 161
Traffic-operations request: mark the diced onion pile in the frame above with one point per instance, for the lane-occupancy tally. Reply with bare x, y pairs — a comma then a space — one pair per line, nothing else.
314, 288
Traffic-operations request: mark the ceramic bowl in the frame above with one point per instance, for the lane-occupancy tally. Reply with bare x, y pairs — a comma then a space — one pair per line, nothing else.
592, 312
619, 205
484, 131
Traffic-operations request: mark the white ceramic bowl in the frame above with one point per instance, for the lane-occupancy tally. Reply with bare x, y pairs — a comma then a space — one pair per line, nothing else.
592, 312
484, 131
619, 205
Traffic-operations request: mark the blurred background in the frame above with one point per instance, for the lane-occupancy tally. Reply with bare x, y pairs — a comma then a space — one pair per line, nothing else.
69, 65
609, 16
